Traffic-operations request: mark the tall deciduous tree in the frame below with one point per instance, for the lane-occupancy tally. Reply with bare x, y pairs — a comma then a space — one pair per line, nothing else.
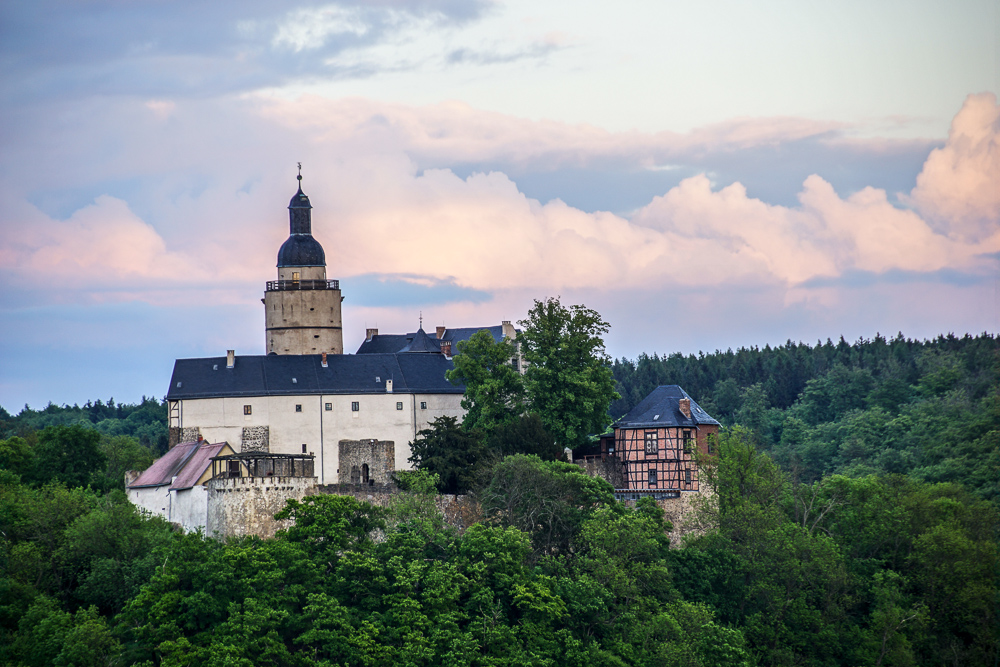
450, 452
568, 377
494, 389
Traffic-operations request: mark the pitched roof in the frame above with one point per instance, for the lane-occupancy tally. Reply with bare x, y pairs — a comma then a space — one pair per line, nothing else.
197, 464
166, 467
385, 343
397, 342
662, 408
422, 343
295, 375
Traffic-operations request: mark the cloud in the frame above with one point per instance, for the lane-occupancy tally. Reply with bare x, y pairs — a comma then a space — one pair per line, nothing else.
102, 248
959, 187
59, 48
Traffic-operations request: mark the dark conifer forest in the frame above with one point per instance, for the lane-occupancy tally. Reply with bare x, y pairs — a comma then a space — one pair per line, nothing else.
855, 522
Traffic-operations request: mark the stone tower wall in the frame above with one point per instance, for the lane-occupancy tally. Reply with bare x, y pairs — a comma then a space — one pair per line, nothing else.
246, 505
303, 321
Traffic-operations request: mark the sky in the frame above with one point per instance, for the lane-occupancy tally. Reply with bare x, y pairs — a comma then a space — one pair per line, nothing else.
705, 175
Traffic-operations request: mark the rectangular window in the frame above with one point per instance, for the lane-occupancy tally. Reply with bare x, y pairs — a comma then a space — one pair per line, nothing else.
423, 405
303, 449
652, 443
652, 478
687, 476
399, 405
710, 438
329, 406
298, 407
355, 406
687, 441
295, 276
247, 410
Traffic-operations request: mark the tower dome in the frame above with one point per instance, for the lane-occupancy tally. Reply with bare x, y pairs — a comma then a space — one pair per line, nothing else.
301, 249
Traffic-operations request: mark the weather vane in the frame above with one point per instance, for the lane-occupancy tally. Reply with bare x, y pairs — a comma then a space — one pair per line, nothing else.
300, 171
421, 319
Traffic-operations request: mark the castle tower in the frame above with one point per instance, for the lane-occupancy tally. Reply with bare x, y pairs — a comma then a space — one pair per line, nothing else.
302, 307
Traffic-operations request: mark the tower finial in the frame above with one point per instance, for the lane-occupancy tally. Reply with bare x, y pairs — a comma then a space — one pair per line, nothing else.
300, 173
421, 319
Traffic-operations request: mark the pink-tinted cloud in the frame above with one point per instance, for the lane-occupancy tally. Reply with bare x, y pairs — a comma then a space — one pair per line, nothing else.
959, 187
376, 213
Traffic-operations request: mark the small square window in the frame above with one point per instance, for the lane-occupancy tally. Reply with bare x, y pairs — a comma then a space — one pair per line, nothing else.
652, 478
248, 409
399, 405
423, 405
687, 476
355, 406
329, 406
303, 449
298, 407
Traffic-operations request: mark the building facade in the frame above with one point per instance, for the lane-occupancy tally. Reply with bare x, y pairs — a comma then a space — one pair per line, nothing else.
305, 396
658, 440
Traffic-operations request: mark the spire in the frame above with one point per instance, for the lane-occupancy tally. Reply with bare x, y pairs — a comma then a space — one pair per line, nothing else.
300, 210
301, 249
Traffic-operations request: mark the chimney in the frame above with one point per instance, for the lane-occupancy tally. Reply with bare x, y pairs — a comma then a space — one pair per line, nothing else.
685, 405
322, 360
230, 358
388, 386
440, 332
508, 329
446, 348
200, 437
370, 333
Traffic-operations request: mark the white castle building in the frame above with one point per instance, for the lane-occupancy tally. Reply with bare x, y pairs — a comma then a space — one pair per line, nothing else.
355, 413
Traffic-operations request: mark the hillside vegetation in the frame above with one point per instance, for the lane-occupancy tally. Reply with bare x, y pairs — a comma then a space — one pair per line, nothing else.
855, 523
927, 409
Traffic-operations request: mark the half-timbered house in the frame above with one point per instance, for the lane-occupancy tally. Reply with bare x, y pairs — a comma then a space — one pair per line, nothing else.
657, 440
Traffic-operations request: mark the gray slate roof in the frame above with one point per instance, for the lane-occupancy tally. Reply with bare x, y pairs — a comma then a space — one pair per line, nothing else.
396, 342
290, 375
665, 402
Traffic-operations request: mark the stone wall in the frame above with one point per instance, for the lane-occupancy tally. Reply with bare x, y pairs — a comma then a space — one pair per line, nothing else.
255, 439
247, 505
176, 435
609, 469
682, 513
459, 511
366, 461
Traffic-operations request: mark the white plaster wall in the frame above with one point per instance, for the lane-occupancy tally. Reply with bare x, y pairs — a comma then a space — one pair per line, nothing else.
189, 508
153, 499
222, 419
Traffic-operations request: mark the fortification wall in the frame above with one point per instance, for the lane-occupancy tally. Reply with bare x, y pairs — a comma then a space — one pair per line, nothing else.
246, 505
682, 513
609, 469
459, 511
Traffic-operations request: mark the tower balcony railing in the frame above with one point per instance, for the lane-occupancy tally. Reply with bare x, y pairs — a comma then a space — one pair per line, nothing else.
287, 285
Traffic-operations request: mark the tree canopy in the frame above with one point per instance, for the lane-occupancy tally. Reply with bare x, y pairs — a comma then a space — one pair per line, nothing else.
568, 376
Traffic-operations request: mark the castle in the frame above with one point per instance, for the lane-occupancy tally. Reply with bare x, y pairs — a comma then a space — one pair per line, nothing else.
347, 418
249, 432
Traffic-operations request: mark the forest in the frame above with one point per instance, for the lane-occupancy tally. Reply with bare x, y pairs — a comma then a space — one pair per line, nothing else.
855, 522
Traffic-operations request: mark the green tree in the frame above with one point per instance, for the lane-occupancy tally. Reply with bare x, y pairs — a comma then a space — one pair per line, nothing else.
69, 454
494, 389
450, 452
549, 499
525, 435
568, 376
